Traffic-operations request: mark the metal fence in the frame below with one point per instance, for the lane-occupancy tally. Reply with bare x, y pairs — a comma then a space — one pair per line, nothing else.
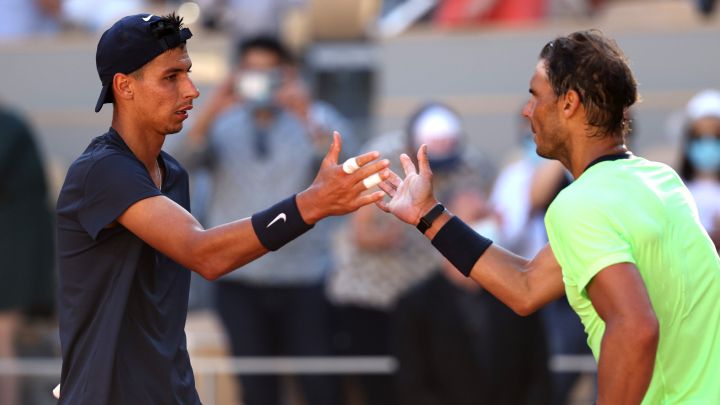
208, 369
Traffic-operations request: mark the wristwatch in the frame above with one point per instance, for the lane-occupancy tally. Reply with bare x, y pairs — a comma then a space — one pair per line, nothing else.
427, 220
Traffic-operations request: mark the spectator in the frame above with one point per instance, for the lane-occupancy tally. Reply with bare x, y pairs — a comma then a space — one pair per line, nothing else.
261, 136
700, 161
96, 15
26, 242
457, 344
454, 13
249, 18
377, 258
25, 18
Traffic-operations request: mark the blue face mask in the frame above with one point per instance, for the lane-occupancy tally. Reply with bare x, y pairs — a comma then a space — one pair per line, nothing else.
704, 153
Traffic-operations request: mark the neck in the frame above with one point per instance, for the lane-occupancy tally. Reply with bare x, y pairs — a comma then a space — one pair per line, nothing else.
591, 149
145, 144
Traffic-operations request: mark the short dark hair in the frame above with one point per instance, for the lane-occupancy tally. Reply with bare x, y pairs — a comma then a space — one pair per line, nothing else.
594, 66
266, 43
169, 24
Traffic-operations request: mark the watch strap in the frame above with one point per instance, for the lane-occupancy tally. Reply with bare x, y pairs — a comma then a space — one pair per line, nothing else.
427, 220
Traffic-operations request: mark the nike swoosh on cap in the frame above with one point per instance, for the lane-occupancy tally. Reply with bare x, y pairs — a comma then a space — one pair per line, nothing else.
146, 19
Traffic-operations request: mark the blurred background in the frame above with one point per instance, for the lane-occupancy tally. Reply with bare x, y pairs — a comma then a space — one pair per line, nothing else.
376, 64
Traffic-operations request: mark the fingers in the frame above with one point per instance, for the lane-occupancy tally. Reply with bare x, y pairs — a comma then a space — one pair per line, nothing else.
351, 165
372, 180
383, 206
372, 174
334, 152
388, 188
394, 179
366, 199
366, 158
407, 165
423, 162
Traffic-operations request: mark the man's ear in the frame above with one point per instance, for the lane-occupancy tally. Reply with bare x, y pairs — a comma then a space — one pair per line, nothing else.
571, 102
122, 86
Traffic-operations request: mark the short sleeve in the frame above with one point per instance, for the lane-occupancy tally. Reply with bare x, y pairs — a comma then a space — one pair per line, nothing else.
111, 186
585, 239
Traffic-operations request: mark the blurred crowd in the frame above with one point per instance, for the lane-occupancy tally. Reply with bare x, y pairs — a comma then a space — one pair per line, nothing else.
363, 285
239, 18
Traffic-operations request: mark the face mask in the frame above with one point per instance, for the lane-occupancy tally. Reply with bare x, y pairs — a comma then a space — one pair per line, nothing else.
486, 227
704, 153
258, 86
444, 164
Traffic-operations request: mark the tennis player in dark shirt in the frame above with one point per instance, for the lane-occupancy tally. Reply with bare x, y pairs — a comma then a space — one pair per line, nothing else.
127, 241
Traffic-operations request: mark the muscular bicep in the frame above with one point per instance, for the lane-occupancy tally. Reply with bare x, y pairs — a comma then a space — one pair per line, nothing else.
545, 275
162, 224
618, 293
170, 229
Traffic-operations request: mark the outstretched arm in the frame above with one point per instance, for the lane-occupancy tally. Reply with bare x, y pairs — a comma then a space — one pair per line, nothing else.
170, 229
524, 285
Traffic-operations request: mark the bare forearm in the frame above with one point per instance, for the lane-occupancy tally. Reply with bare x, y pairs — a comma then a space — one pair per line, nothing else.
626, 363
171, 230
222, 249
523, 285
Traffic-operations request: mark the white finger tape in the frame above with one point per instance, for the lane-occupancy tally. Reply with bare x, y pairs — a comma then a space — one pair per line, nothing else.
372, 180
350, 165
56, 391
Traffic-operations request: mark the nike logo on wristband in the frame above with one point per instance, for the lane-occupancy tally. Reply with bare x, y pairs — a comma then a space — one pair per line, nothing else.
277, 218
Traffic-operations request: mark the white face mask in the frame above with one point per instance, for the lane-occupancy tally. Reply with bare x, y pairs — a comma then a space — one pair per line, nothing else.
486, 227
258, 86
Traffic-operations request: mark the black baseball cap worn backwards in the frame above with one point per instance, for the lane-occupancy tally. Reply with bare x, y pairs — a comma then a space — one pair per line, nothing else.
132, 42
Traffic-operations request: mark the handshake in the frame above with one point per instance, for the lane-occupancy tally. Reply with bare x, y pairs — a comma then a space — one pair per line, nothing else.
339, 189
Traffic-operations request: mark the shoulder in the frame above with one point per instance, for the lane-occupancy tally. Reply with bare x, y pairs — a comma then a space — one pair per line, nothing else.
103, 161
11, 120
15, 130
321, 109
172, 165
105, 158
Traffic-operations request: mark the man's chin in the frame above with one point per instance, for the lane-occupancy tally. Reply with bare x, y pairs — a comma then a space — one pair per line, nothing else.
545, 155
174, 130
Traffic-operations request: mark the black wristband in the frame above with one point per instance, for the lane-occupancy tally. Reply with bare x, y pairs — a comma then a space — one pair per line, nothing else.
427, 220
460, 244
279, 224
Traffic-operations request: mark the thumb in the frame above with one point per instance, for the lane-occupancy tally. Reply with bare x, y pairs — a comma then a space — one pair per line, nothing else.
334, 152
423, 162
